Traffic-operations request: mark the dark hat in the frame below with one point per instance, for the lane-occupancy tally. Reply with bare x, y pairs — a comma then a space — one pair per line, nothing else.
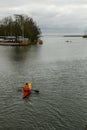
26, 83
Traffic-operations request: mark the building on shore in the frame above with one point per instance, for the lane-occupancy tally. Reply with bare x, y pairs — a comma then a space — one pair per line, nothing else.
13, 40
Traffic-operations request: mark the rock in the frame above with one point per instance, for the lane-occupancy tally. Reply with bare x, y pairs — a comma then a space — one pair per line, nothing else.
39, 41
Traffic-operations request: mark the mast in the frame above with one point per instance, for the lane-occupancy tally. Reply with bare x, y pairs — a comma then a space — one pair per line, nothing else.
21, 23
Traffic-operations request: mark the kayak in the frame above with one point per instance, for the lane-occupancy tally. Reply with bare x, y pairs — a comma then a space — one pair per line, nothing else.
27, 92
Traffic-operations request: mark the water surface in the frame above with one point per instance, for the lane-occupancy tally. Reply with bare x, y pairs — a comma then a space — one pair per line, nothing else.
58, 69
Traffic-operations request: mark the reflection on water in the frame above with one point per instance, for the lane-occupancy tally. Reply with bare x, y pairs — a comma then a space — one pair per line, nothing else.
18, 53
59, 71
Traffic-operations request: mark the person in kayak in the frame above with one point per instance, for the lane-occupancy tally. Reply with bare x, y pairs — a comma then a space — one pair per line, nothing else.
27, 88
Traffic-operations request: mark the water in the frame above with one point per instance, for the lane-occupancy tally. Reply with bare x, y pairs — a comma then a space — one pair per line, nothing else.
58, 69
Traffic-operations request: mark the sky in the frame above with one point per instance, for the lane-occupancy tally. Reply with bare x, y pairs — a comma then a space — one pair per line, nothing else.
52, 16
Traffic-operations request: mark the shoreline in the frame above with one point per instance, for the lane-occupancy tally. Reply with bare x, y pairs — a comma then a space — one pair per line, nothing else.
12, 44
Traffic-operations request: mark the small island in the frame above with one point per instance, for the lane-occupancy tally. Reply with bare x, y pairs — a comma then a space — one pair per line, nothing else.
19, 30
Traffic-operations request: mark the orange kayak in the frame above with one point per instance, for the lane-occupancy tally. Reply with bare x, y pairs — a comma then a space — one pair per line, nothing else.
27, 92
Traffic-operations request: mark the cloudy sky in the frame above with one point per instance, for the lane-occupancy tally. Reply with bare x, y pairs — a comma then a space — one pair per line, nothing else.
59, 16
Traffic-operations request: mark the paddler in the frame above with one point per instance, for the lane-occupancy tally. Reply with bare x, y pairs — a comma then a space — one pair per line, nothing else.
27, 87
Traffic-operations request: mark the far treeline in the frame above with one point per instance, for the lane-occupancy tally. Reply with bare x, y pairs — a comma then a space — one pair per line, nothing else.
20, 25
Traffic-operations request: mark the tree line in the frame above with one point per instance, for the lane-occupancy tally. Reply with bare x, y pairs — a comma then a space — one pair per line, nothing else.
20, 25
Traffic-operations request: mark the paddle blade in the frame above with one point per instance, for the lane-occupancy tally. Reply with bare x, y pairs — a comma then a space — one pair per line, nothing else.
37, 91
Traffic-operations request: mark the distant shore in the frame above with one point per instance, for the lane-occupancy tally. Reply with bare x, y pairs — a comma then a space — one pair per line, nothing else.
64, 35
73, 35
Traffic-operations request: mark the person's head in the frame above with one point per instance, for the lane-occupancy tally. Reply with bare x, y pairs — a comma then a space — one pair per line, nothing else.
26, 83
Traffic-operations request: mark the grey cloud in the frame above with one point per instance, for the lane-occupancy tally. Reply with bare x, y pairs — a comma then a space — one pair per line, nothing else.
50, 14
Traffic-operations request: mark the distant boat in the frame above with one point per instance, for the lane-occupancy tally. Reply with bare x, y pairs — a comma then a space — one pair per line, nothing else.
84, 36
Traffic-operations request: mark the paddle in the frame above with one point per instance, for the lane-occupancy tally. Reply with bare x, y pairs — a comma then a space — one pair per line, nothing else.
37, 91
30, 84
